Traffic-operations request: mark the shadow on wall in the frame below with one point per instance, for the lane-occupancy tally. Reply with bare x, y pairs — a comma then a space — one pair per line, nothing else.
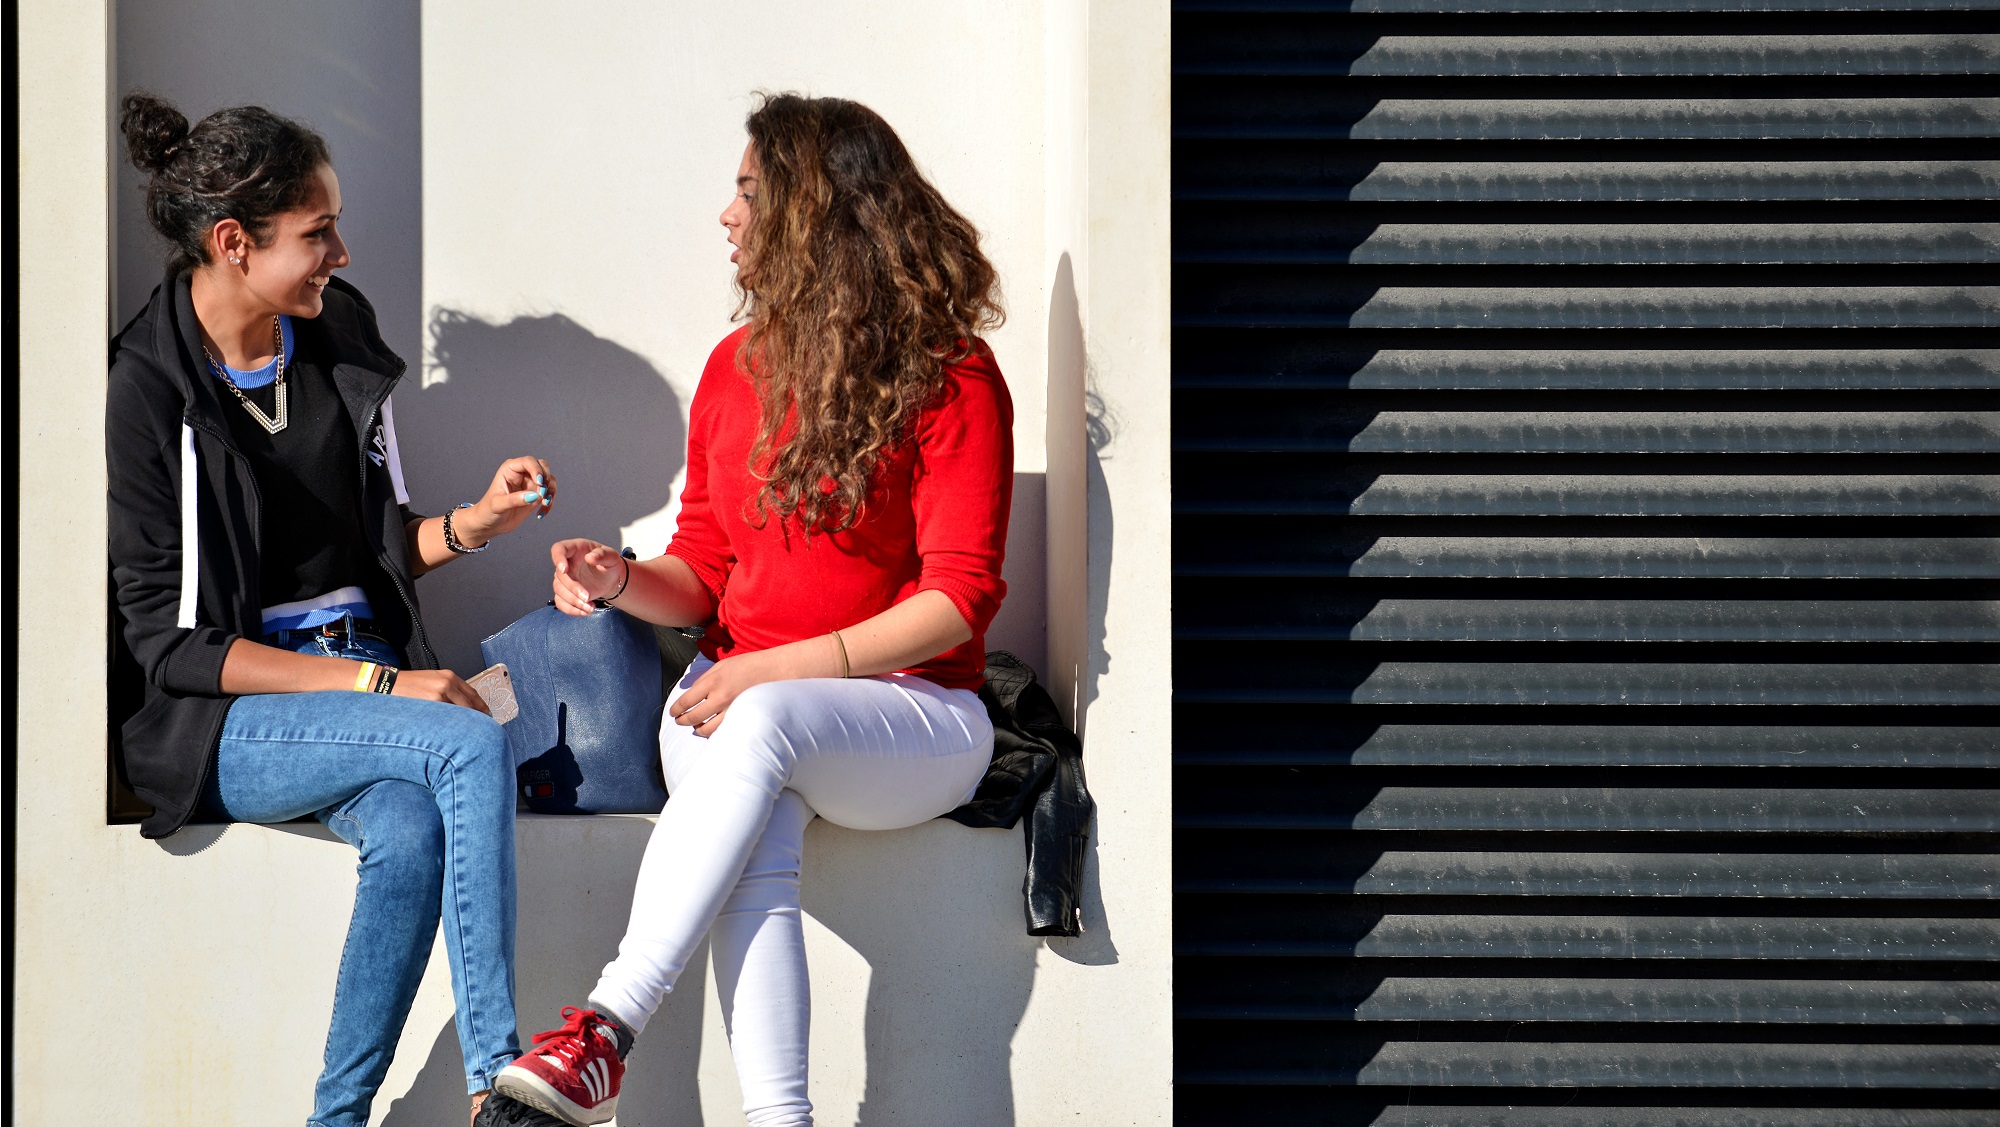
1094, 947
935, 911
600, 414
1081, 428
1021, 628
576, 878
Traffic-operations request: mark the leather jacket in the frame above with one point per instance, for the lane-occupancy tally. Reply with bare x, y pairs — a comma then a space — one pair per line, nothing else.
1036, 778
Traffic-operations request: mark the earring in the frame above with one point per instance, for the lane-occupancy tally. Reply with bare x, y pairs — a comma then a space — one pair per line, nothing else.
233, 260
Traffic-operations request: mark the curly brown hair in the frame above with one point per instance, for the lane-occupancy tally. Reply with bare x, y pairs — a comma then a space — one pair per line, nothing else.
860, 284
243, 163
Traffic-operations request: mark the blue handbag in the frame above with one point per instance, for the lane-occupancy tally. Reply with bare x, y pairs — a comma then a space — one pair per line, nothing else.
587, 740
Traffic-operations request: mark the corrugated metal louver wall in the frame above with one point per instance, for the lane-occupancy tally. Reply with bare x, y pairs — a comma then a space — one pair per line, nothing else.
1585, 562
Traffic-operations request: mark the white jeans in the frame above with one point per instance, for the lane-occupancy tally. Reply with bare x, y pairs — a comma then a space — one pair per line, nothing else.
871, 753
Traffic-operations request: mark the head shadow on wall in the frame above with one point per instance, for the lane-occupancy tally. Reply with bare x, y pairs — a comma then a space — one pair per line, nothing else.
601, 415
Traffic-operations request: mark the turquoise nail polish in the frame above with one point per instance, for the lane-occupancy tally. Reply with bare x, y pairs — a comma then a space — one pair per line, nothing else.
531, 496
538, 480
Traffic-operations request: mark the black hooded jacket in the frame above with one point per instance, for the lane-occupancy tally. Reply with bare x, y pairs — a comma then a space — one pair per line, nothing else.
185, 533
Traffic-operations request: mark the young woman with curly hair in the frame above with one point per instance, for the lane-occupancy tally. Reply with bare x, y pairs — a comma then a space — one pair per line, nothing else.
264, 560
850, 463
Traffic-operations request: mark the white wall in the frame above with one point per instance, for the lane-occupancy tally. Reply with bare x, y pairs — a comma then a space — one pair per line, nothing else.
566, 283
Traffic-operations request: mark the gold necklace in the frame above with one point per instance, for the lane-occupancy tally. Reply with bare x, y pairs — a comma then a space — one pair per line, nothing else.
270, 425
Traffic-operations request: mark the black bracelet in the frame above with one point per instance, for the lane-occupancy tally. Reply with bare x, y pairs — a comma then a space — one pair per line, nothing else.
451, 540
385, 679
606, 600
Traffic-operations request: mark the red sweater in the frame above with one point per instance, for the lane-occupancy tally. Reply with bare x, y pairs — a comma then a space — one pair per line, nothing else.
935, 520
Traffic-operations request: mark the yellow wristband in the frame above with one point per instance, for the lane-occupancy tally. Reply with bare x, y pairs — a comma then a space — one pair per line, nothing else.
364, 678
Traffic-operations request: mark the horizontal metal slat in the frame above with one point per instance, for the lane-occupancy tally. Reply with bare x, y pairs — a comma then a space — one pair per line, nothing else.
1283, 45
1310, 861
1283, 169
1280, 929
1404, 1113
1401, 1113
1282, 548
1302, 610
1328, 798
1310, 363
1630, 181
1235, 107
1229, 1052
1291, 419
1321, 296
1310, 234
1299, 674
1240, 488
1393, 7
1587, 6
1298, 990
1306, 739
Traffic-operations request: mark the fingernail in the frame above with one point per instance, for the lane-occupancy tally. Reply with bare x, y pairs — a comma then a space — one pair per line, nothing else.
531, 496
538, 480
538, 516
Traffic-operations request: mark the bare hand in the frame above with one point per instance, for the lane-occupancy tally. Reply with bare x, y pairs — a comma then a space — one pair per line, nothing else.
521, 487
585, 572
438, 684
705, 703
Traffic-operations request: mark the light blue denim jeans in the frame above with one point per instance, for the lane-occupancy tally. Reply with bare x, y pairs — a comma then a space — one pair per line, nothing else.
425, 791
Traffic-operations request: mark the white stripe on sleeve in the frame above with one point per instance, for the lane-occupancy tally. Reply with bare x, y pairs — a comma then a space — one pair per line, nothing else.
190, 532
395, 456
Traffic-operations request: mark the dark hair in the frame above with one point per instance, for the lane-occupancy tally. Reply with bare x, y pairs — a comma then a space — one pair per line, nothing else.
243, 163
860, 284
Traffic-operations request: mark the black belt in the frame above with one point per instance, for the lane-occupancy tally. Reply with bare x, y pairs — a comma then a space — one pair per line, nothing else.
343, 627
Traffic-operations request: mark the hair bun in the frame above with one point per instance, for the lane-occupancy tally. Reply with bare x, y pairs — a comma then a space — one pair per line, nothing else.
153, 129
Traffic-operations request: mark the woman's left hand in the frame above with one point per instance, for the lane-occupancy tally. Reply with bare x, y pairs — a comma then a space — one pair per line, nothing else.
704, 704
522, 487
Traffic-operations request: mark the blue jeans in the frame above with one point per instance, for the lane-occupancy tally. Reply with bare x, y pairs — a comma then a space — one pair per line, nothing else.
425, 791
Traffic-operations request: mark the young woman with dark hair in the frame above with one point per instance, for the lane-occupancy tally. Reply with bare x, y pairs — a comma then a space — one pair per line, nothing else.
850, 462
263, 559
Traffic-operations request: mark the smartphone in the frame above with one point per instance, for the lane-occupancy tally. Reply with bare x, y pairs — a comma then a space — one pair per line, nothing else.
496, 688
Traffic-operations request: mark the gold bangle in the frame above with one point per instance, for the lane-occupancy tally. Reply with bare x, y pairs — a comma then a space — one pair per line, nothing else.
842, 643
364, 678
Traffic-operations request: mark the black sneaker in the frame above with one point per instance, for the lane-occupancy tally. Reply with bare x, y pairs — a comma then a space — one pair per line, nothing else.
499, 1111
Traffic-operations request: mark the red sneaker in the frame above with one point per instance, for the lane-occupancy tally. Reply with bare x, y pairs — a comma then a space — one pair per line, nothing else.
572, 1072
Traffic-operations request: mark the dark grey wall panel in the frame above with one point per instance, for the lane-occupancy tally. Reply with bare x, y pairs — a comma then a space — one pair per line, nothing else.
1270, 928
1287, 547
1587, 572
1635, 181
1301, 740
1278, 360
1291, 420
1314, 47
1226, 232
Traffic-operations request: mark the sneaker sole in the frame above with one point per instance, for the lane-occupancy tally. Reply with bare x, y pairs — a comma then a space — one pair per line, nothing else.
525, 1087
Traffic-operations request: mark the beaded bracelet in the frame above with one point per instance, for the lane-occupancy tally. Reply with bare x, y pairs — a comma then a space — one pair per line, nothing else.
451, 540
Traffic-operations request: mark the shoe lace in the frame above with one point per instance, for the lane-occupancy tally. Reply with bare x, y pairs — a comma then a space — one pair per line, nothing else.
567, 1041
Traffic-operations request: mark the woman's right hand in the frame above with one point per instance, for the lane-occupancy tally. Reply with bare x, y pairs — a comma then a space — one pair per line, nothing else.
585, 572
438, 684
